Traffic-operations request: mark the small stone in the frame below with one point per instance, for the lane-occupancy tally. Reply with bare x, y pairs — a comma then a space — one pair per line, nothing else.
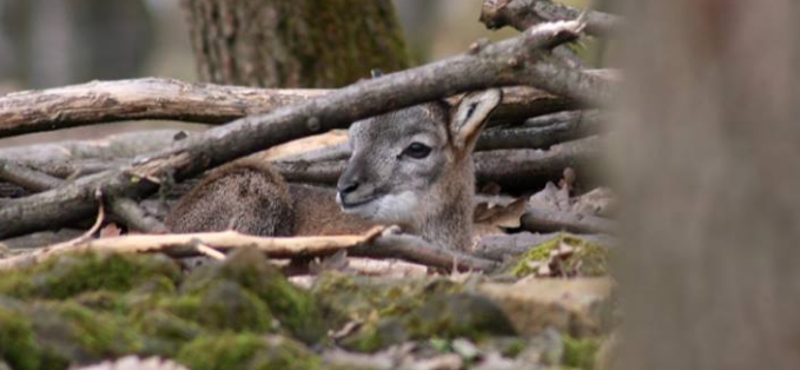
579, 307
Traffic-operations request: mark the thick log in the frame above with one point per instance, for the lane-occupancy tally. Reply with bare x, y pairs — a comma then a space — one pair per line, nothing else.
523, 14
507, 63
167, 99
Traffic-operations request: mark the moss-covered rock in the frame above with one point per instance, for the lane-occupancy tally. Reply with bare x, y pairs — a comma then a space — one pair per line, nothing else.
450, 316
563, 256
52, 335
295, 309
222, 305
347, 298
18, 341
247, 352
69, 275
579, 307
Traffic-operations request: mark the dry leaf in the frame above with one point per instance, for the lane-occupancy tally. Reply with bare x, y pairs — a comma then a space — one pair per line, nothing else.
111, 230
492, 218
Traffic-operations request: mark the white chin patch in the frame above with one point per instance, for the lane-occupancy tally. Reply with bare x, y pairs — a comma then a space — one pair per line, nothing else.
391, 208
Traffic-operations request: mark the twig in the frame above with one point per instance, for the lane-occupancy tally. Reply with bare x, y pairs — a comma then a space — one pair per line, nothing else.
210, 252
511, 62
87, 236
523, 14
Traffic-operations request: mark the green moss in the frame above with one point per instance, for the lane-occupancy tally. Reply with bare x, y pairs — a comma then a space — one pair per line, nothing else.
295, 309
588, 259
17, 341
445, 317
60, 326
580, 353
224, 305
459, 315
247, 352
165, 333
346, 298
68, 275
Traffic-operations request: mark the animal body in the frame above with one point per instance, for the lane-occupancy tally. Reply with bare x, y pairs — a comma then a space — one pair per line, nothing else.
411, 167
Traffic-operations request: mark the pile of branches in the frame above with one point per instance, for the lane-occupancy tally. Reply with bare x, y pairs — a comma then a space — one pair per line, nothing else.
548, 121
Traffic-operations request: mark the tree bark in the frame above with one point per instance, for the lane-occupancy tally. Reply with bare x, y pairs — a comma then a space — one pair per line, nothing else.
299, 43
709, 178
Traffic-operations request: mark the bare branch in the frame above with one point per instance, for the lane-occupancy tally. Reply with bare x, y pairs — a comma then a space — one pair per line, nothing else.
569, 126
510, 62
166, 99
31, 180
523, 14
414, 249
545, 220
181, 244
148, 98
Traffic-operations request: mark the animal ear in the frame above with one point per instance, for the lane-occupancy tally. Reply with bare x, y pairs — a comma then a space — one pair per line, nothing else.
470, 117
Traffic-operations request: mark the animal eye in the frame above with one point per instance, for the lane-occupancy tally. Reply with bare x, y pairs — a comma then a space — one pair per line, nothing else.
417, 150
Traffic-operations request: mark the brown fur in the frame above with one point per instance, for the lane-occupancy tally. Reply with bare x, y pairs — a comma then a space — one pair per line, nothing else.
247, 196
250, 197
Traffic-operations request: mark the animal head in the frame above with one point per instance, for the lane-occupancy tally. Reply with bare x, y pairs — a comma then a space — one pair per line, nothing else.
410, 164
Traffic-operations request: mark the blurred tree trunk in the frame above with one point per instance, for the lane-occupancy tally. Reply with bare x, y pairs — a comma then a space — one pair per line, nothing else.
709, 168
299, 43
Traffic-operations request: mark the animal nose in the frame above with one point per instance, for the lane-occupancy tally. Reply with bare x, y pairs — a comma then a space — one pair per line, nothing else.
348, 187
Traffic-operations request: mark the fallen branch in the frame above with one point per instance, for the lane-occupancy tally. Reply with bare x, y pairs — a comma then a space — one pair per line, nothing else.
545, 220
526, 168
166, 99
181, 245
576, 125
511, 62
414, 249
147, 98
27, 178
523, 14
75, 158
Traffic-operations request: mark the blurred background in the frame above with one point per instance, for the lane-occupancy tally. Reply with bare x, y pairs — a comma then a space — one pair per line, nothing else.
50, 43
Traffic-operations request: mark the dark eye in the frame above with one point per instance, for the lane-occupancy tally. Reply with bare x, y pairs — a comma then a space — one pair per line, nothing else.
417, 150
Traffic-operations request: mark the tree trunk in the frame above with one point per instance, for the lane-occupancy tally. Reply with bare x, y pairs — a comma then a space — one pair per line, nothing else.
299, 43
708, 159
